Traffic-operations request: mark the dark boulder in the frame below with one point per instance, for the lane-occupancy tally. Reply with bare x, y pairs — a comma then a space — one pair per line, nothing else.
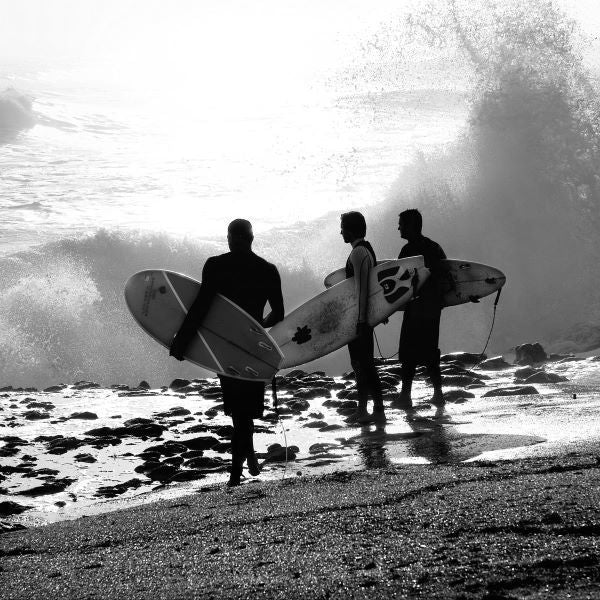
496, 363
530, 354
523, 390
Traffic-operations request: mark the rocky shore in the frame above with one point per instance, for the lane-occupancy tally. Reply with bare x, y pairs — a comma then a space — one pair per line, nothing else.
494, 495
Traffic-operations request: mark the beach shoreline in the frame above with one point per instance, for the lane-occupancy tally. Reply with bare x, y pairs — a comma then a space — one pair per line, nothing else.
500, 529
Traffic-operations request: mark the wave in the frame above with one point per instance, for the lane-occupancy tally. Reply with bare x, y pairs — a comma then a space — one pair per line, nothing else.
16, 113
63, 317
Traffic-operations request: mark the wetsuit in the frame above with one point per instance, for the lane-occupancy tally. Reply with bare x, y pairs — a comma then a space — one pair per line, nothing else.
359, 264
249, 282
419, 336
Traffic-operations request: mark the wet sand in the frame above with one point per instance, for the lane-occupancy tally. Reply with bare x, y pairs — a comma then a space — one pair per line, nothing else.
492, 496
512, 529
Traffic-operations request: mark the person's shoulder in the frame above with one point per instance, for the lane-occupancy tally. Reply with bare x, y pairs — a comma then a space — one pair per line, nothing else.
265, 264
218, 259
435, 247
359, 251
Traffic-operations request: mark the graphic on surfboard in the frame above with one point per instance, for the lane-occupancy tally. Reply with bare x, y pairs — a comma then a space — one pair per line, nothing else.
464, 281
328, 321
228, 342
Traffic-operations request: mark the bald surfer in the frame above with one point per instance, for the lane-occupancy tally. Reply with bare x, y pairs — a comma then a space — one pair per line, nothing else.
249, 281
359, 264
419, 336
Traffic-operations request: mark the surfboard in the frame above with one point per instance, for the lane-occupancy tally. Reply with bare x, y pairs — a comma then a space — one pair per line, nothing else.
464, 281
328, 321
229, 341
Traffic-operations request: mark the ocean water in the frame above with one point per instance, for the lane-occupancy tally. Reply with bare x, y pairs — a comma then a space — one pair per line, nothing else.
131, 140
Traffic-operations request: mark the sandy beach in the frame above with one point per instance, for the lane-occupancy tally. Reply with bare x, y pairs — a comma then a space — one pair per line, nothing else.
494, 495
514, 529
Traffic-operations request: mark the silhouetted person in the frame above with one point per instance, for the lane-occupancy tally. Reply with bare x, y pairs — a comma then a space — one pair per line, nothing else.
359, 264
419, 337
250, 282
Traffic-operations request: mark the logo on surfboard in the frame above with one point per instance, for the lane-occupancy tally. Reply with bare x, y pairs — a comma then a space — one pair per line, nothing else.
302, 335
392, 290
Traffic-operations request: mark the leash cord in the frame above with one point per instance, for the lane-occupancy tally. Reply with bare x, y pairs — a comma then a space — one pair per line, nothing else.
275, 407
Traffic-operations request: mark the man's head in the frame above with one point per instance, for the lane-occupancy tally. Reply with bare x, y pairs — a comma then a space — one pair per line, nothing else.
353, 226
239, 234
410, 224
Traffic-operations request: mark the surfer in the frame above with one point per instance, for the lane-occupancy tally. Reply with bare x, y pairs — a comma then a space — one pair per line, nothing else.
250, 282
359, 264
419, 336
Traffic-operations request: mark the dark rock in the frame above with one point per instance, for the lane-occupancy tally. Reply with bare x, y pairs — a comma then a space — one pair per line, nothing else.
211, 412
8, 508
48, 488
530, 354
297, 405
311, 393
333, 402
457, 395
137, 421
496, 363
162, 473
85, 385
173, 460
86, 458
63, 444
204, 442
350, 394
83, 415
277, 453
332, 427
55, 388
10, 527
541, 377
349, 376
296, 373
176, 411
463, 358
316, 415
143, 385
35, 415
206, 463
120, 387
110, 491
36, 404
178, 383
315, 424
225, 431
147, 466
192, 454
523, 390
196, 428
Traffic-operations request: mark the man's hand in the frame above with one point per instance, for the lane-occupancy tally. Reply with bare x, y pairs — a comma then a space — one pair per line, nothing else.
363, 329
177, 347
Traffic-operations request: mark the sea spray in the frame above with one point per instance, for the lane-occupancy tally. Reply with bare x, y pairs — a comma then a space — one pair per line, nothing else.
63, 317
521, 188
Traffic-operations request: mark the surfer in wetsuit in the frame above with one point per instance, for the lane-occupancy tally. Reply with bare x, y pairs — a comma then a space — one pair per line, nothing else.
419, 336
359, 264
250, 282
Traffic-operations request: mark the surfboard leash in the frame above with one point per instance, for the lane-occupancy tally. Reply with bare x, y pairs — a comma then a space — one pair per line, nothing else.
482, 353
275, 408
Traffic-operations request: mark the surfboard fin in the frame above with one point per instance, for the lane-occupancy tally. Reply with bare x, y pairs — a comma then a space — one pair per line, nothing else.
474, 299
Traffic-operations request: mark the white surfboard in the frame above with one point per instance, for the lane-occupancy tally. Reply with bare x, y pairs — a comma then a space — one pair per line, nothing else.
229, 341
464, 281
328, 321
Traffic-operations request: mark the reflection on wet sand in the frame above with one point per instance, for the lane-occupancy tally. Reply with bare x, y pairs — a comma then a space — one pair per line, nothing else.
434, 439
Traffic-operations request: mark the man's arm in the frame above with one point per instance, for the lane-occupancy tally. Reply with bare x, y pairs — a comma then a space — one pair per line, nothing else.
275, 298
195, 314
361, 263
